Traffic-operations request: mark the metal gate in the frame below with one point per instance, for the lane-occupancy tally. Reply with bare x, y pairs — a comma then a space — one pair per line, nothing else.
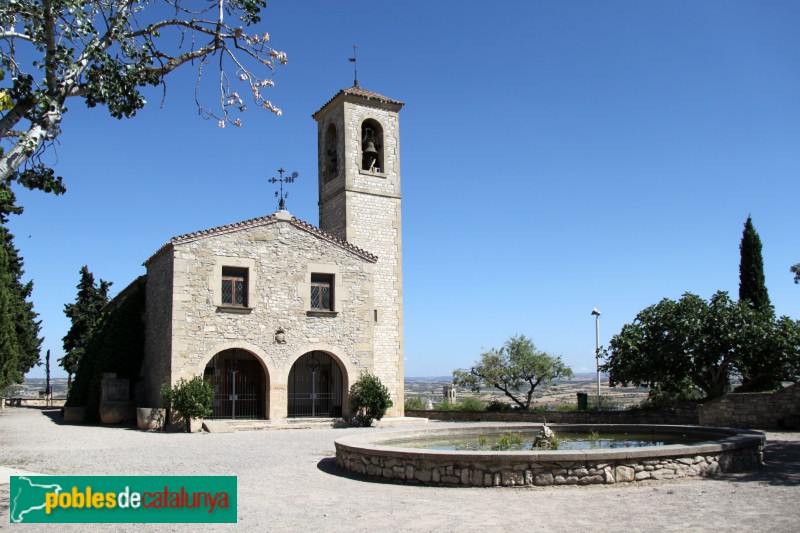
315, 387
239, 385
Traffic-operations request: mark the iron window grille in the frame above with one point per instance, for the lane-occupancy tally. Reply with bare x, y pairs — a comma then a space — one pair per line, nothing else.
234, 286
322, 292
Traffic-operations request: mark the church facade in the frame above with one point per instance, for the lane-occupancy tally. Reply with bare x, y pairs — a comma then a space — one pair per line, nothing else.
282, 316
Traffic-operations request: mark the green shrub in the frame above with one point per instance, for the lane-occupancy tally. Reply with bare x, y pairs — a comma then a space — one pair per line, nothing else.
414, 404
192, 399
606, 404
471, 404
497, 405
467, 404
369, 400
658, 399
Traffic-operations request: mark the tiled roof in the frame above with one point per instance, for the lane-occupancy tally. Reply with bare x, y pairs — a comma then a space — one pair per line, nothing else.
355, 90
221, 230
264, 221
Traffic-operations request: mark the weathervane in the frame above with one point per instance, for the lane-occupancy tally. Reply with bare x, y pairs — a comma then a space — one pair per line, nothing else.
282, 180
354, 60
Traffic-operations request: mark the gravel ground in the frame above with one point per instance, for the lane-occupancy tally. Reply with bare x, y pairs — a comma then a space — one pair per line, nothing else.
288, 481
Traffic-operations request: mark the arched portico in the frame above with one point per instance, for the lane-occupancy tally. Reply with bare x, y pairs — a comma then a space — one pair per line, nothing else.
241, 385
316, 386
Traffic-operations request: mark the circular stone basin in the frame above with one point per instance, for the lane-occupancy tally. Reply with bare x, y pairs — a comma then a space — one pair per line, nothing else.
703, 451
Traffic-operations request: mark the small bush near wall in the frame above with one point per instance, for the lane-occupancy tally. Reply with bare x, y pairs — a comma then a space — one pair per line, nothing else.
369, 399
192, 399
414, 404
497, 405
467, 404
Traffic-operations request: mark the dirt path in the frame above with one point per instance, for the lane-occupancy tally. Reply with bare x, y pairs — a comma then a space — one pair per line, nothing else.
288, 481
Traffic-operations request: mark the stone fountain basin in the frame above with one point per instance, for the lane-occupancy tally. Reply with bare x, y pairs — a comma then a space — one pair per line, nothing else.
712, 451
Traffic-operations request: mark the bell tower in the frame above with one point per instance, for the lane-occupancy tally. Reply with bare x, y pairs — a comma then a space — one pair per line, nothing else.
359, 201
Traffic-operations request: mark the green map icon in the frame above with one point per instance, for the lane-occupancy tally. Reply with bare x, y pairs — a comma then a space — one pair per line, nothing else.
27, 498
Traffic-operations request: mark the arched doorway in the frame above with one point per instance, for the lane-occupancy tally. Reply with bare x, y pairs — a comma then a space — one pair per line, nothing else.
315, 386
240, 385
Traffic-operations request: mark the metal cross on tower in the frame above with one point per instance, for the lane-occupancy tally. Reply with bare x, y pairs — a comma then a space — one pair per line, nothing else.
283, 196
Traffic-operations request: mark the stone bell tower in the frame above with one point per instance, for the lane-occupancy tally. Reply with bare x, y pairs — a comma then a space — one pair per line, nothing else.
359, 201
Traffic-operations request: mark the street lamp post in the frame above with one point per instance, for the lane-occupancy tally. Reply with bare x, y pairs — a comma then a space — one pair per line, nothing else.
596, 315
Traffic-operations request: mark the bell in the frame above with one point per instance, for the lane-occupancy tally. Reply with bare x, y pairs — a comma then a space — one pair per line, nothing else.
370, 150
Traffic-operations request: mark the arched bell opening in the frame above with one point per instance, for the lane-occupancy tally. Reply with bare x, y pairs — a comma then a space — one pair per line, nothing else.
331, 155
371, 146
241, 385
316, 386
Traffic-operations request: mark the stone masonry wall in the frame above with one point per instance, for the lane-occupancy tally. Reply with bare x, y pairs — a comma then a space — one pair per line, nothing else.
280, 258
468, 471
763, 410
332, 216
374, 223
684, 415
158, 320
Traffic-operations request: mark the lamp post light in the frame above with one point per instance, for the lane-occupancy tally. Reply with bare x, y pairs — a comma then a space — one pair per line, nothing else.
596, 314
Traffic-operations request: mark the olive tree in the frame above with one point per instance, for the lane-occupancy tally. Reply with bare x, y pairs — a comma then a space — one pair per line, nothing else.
516, 368
104, 52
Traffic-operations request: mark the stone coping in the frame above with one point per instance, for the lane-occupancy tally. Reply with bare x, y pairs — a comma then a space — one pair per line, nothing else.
714, 440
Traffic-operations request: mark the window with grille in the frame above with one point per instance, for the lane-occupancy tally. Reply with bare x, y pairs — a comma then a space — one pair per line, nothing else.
322, 292
234, 286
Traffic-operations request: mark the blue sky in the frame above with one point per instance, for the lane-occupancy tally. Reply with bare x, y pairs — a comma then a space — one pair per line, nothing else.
556, 156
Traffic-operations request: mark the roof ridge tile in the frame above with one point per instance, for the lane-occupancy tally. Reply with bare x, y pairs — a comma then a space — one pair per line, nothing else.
261, 221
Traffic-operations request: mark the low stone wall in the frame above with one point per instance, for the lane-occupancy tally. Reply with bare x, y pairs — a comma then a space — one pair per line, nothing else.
765, 410
684, 414
732, 452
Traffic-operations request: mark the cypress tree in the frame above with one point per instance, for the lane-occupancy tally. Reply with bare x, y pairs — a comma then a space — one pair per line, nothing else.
19, 330
83, 314
752, 287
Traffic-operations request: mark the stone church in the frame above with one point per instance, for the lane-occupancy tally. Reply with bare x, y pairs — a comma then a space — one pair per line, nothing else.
282, 316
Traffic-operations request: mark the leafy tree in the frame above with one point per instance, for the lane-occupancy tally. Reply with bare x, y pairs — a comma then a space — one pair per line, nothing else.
369, 399
752, 286
83, 314
104, 52
19, 330
691, 344
516, 369
795, 269
192, 399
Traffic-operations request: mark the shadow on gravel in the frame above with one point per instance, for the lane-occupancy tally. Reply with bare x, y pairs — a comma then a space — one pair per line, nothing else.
53, 413
329, 466
5, 501
56, 417
781, 465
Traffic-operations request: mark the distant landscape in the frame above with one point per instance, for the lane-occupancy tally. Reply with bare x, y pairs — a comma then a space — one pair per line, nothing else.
32, 387
562, 392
